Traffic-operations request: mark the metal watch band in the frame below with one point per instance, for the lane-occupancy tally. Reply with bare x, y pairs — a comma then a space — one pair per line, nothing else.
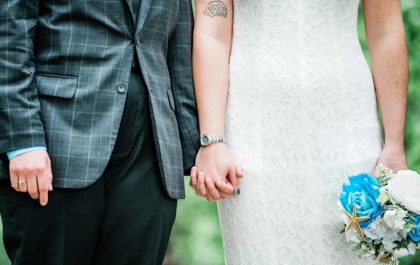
207, 139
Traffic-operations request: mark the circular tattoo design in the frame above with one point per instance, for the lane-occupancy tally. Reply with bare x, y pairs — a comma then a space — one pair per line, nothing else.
216, 8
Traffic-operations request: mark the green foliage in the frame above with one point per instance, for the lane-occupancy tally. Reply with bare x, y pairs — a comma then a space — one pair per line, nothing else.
3, 257
412, 25
196, 235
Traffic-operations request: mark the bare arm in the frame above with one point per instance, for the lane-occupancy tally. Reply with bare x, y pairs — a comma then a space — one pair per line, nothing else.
386, 42
211, 53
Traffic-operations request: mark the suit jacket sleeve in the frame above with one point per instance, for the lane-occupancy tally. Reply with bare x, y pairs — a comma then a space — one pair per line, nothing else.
180, 67
20, 118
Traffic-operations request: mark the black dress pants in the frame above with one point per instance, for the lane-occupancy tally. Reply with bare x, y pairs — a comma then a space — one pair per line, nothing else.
125, 218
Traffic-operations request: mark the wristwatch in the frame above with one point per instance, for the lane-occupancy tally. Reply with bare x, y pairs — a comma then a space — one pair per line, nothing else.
206, 139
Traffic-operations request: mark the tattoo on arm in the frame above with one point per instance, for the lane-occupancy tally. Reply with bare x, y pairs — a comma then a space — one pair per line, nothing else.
216, 8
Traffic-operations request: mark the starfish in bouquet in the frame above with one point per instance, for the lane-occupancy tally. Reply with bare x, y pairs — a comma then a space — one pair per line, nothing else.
355, 221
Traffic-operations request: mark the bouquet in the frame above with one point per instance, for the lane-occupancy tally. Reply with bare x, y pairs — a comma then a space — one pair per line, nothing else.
381, 212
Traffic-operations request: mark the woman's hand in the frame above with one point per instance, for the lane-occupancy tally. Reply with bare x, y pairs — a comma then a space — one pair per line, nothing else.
216, 173
393, 157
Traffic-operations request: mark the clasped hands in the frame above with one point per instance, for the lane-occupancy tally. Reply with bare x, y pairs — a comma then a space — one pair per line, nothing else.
216, 174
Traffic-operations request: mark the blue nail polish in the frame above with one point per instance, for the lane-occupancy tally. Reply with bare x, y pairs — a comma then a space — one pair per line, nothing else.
238, 191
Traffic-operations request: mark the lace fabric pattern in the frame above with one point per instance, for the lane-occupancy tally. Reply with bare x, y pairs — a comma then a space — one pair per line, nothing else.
301, 117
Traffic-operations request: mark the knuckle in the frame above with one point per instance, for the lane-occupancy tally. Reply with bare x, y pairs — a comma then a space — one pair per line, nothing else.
12, 167
16, 168
24, 168
27, 169
40, 168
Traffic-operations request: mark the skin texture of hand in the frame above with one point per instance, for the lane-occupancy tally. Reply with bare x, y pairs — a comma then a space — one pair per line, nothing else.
216, 173
31, 172
394, 158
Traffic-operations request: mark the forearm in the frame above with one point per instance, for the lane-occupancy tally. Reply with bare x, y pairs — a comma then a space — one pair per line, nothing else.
211, 60
211, 53
390, 72
386, 42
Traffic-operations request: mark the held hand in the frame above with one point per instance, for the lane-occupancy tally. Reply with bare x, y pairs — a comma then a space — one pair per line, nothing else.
393, 157
216, 174
31, 172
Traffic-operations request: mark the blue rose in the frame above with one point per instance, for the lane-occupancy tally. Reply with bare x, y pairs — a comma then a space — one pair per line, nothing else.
363, 191
415, 233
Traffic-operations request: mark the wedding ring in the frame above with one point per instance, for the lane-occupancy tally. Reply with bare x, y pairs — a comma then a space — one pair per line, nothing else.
22, 182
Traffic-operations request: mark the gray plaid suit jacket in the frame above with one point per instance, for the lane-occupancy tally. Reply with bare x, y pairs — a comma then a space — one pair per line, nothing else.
64, 70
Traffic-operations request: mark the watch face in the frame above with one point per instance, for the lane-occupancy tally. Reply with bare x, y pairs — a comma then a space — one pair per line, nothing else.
205, 140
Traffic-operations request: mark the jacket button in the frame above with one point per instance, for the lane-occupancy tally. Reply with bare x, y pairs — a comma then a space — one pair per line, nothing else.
121, 88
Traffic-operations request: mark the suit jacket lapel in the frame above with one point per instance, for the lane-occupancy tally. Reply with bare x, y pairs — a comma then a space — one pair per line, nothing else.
130, 8
142, 15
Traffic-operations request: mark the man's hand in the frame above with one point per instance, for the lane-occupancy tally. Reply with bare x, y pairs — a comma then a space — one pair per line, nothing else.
216, 173
31, 172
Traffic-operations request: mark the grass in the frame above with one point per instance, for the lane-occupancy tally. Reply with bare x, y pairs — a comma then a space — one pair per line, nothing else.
4, 260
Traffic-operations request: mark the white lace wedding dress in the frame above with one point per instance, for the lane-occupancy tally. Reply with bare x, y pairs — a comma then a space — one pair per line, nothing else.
301, 117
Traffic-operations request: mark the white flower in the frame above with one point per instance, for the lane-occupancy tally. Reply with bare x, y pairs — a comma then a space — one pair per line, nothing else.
389, 241
394, 218
382, 170
412, 248
383, 196
404, 189
352, 235
375, 230
399, 253
378, 230
402, 252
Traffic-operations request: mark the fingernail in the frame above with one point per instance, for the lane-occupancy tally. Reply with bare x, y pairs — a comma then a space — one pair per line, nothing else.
238, 191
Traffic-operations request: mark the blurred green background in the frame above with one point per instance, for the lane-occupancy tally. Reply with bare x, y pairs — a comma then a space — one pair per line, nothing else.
196, 236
